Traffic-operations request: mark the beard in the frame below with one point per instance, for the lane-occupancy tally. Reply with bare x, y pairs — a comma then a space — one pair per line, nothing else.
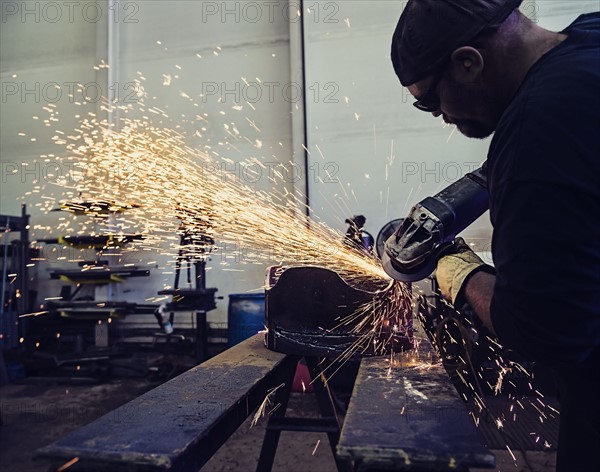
471, 128
474, 129
479, 110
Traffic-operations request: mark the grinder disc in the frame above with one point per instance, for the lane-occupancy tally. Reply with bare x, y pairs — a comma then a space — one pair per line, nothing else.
413, 275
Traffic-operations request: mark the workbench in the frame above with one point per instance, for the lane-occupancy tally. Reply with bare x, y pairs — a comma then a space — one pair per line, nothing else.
398, 418
409, 417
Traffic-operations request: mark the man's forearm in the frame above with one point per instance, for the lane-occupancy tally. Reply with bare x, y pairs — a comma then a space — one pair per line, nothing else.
478, 292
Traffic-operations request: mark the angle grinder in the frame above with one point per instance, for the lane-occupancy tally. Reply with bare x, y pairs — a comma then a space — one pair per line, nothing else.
409, 248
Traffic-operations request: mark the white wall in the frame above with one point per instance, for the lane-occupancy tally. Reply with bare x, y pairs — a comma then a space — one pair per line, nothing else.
44, 52
209, 50
221, 57
555, 15
387, 152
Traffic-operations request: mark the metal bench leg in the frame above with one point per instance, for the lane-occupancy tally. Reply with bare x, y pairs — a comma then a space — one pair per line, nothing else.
271, 440
201, 337
326, 406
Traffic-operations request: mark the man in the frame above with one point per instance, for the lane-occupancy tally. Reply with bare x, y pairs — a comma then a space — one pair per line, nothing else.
483, 66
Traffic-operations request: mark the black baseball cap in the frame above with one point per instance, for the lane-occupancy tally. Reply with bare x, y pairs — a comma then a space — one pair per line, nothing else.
429, 30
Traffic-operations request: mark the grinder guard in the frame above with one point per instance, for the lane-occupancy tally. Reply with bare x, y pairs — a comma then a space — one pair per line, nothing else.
411, 253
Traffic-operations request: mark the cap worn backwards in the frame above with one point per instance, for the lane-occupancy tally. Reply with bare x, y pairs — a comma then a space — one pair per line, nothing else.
429, 30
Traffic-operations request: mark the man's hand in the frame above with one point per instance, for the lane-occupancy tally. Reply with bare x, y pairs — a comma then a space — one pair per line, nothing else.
455, 268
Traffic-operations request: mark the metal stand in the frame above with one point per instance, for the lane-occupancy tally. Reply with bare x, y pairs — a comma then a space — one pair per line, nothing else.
328, 423
196, 297
201, 331
15, 290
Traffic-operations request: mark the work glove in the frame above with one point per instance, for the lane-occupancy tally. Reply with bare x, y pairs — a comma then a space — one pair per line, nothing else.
455, 268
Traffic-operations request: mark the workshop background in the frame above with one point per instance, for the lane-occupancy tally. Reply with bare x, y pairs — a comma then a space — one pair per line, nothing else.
369, 152
318, 96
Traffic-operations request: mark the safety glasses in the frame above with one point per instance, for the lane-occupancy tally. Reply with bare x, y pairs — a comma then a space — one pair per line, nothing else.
430, 101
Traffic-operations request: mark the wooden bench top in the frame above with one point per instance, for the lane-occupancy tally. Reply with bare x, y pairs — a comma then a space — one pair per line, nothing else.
179, 425
409, 417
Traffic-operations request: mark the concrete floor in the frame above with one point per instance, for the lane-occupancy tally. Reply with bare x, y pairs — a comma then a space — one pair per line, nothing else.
34, 415
37, 414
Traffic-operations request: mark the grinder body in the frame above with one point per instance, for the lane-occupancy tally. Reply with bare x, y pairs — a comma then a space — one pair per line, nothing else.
411, 253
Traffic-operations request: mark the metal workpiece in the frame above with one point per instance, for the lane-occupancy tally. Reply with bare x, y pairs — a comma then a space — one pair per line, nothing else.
312, 311
408, 416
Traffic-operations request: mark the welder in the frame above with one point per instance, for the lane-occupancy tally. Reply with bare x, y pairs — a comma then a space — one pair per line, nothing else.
484, 67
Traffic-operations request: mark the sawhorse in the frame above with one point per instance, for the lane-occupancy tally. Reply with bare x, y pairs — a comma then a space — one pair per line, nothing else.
329, 422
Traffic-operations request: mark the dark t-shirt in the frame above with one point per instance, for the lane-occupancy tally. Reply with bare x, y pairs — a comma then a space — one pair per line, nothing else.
544, 181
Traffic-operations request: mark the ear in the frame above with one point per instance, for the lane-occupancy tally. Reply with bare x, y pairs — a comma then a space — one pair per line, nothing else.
466, 64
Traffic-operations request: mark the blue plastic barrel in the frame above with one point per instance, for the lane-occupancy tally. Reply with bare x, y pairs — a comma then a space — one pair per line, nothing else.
245, 316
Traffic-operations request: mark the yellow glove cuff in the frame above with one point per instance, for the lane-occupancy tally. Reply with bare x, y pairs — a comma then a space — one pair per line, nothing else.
454, 269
